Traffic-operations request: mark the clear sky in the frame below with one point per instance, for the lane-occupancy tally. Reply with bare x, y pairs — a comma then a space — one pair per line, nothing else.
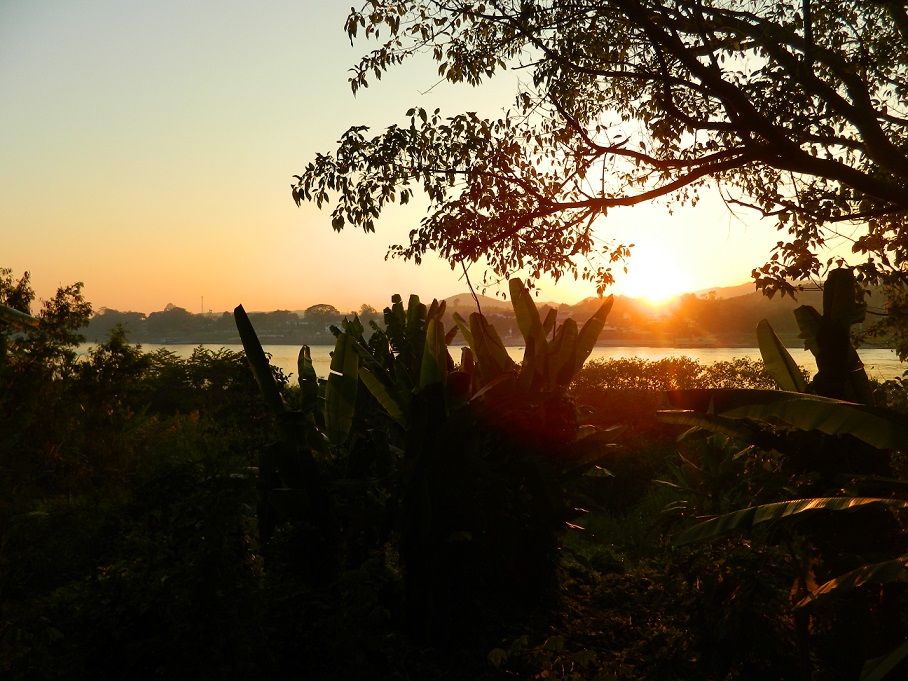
147, 149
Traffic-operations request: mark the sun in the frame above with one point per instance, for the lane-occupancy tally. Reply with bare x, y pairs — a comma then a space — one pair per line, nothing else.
653, 277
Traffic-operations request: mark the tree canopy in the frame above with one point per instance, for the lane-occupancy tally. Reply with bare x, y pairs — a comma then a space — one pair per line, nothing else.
796, 111
322, 313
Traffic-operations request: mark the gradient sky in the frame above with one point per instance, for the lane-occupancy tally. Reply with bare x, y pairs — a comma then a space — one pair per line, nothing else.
147, 149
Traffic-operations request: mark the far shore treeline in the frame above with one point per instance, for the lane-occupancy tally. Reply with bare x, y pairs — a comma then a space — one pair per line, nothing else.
714, 318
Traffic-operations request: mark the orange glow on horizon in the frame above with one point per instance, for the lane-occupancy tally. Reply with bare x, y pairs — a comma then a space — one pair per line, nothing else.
654, 277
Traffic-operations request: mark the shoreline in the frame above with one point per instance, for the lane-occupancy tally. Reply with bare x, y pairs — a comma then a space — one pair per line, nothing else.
679, 344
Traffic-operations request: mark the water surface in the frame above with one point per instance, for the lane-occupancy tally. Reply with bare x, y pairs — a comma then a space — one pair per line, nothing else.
880, 363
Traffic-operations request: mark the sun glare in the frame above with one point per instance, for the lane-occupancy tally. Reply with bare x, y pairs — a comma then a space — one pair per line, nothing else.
653, 277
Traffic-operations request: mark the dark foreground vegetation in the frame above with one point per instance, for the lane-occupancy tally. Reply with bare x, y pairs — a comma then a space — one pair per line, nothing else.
159, 518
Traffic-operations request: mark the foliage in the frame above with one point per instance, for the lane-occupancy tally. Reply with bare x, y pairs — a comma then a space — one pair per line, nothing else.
478, 492
844, 447
150, 562
158, 579
890, 327
34, 377
322, 313
840, 372
713, 475
628, 390
794, 111
840, 547
125, 521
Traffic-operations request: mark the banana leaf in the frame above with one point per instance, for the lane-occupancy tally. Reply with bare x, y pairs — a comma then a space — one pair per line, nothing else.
840, 299
563, 355
778, 361
255, 355
749, 517
467, 363
434, 368
809, 321
533, 366
396, 312
383, 395
340, 393
307, 378
17, 319
879, 667
416, 316
874, 573
436, 310
527, 316
711, 422
489, 350
590, 332
464, 330
549, 322
584, 453
879, 427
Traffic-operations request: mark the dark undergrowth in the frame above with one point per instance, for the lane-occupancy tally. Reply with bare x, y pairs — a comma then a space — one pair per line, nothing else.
129, 549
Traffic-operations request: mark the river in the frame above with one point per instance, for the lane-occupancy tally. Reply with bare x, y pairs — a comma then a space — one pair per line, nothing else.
880, 363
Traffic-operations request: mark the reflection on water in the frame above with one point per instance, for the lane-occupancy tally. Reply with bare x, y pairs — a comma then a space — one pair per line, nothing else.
880, 364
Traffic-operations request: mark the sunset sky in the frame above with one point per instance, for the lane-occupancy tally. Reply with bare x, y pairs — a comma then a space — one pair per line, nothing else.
147, 149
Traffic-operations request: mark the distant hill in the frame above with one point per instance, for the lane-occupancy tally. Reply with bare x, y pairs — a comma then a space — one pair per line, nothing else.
588, 306
729, 291
726, 315
465, 301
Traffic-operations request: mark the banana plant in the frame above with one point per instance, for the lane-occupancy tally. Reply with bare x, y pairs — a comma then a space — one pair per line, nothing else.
753, 416
836, 403
840, 372
491, 447
473, 477
402, 358
549, 365
894, 570
291, 484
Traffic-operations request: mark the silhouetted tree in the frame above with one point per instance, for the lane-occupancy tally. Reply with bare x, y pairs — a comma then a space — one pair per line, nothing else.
322, 313
797, 111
